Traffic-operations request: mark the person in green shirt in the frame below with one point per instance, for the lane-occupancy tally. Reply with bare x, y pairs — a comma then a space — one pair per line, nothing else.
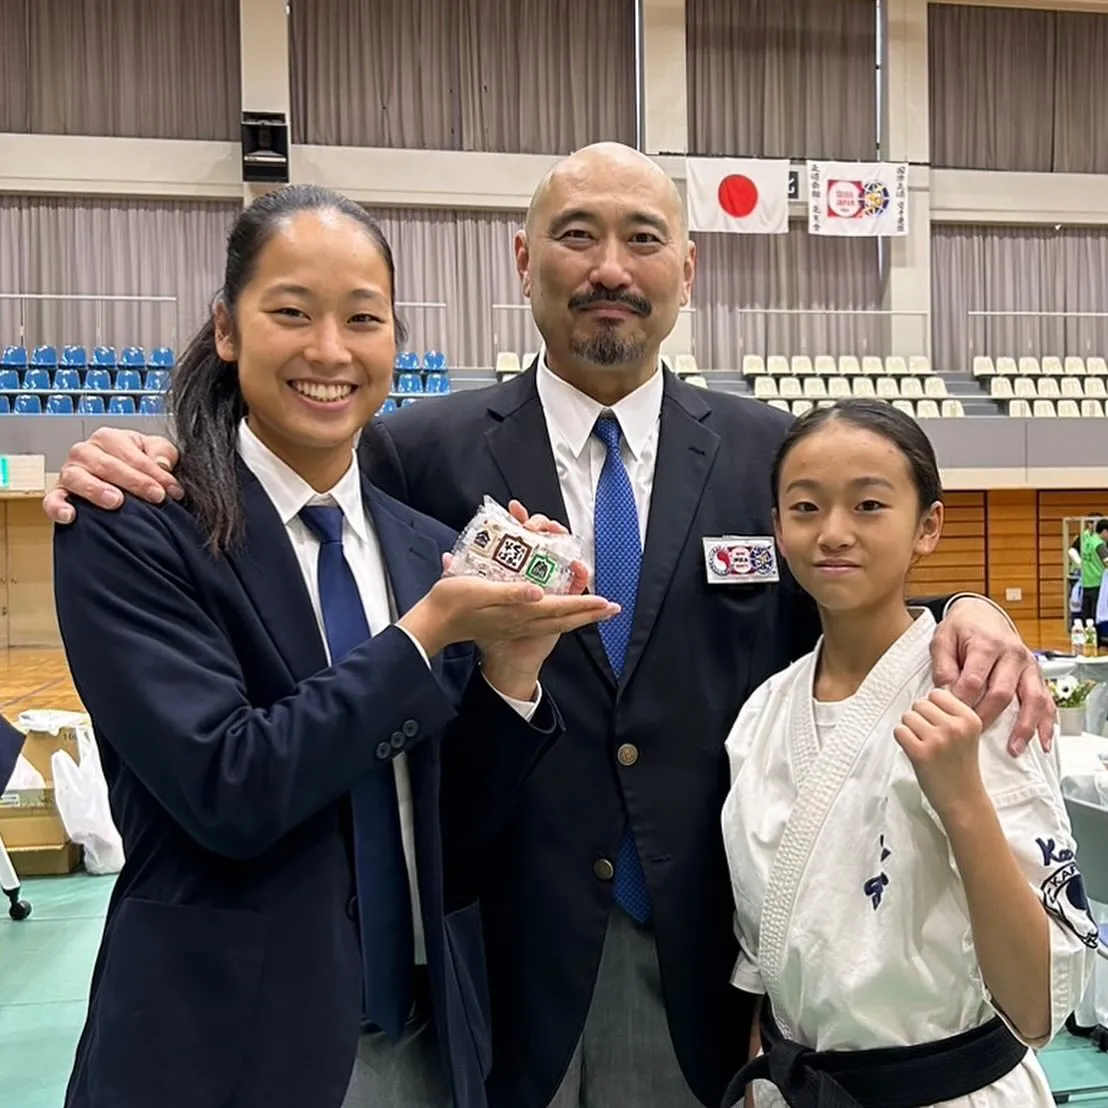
1094, 557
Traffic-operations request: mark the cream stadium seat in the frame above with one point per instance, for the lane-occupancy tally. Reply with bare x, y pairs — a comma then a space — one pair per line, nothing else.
838, 387
789, 387
952, 409
825, 403
507, 362
896, 366
814, 388
927, 409
1096, 367
887, 388
935, 387
802, 406
1075, 367
826, 366
802, 365
1071, 387
1048, 388
780, 405
1052, 367
529, 357
983, 366
753, 364
1019, 409
911, 388
863, 386
1029, 367
1092, 409
848, 365
873, 367
1025, 388
905, 406
697, 379
1068, 409
1000, 388
1007, 367
1094, 388
765, 388
685, 364
919, 365
777, 365
1043, 409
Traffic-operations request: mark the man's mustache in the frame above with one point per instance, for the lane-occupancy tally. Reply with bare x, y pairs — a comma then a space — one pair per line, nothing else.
638, 304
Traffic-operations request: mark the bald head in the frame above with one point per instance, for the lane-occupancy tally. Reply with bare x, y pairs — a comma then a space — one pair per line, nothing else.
608, 165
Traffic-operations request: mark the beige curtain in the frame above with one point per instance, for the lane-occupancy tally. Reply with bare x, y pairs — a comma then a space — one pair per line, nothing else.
782, 78
513, 76
109, 247
122, 68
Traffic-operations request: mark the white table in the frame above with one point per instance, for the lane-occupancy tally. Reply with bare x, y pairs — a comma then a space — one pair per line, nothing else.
1085, 669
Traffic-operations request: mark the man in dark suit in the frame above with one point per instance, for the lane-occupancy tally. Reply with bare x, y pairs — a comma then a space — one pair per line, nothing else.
606, 903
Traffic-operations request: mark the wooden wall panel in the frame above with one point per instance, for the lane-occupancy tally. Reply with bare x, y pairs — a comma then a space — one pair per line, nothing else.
32, 620
958, 563
1054, 506
1012, 545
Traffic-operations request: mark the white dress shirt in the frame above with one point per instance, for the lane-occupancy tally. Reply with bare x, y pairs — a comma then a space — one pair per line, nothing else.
579, 454
289, 492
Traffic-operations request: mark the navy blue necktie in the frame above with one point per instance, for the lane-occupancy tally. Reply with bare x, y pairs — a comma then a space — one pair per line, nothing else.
618, 558
384, 896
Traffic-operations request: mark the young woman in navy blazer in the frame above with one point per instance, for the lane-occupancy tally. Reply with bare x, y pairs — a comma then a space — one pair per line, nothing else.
239, 959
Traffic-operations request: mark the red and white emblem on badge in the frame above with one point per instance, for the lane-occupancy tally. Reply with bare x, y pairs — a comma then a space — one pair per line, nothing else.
734, 560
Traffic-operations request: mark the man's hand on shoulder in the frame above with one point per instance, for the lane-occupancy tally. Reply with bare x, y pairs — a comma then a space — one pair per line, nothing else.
109, 463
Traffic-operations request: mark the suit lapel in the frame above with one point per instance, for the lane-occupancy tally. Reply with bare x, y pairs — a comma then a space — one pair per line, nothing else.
686, 451
520, 446
267, 567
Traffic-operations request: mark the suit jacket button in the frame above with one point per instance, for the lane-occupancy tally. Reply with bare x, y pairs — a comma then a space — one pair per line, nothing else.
603, 869
384, 750
410, 728
352, 907
397, 740
628, 754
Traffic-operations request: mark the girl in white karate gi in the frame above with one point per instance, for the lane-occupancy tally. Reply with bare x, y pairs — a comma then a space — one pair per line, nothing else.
906, 890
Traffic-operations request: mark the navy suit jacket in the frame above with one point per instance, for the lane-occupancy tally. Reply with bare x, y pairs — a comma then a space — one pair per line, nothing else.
696, 653
229, 973
11, 743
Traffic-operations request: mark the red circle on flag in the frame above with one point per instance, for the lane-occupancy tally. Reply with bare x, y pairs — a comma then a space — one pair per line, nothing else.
738, 195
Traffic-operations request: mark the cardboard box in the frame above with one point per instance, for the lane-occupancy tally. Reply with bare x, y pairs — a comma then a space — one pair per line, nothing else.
45, 861
46, 733
30, 818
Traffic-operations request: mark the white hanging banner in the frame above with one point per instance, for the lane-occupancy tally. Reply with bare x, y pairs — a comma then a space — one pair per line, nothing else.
858, 199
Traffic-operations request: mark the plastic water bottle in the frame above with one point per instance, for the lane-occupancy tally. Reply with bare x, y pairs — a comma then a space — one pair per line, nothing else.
1077, 638
1090, 638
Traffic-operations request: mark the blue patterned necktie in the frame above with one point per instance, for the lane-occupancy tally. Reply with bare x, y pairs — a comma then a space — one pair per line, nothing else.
381, 872
618, 558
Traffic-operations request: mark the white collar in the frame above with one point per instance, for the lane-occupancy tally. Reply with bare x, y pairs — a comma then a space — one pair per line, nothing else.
571, 415
290, 492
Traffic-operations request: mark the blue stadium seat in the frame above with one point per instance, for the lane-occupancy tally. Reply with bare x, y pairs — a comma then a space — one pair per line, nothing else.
157, 380
98, 380
152, 405
36, 379
161, 358
9, 380
438, 383
68, 380
59, 405
122, 405
46, 356
132, 357
128, 380
434, 359
5, 405
28, 405
76, 357
15, 357
104, 356
407, 360
409, 383
90, 405
388, 406
410, 400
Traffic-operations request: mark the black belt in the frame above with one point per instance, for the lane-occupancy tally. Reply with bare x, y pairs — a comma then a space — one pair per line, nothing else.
889, 1077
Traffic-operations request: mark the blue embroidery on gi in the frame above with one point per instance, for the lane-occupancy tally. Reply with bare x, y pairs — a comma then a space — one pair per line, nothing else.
874, 888
1051, 854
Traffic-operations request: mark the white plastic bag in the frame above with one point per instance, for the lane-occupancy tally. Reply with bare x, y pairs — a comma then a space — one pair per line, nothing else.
81, 794
25, 776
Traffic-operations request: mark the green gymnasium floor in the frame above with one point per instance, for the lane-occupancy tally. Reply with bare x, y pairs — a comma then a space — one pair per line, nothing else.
45, 963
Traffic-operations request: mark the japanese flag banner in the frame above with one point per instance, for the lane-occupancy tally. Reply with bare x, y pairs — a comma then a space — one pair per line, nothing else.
858, 199
746, 196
